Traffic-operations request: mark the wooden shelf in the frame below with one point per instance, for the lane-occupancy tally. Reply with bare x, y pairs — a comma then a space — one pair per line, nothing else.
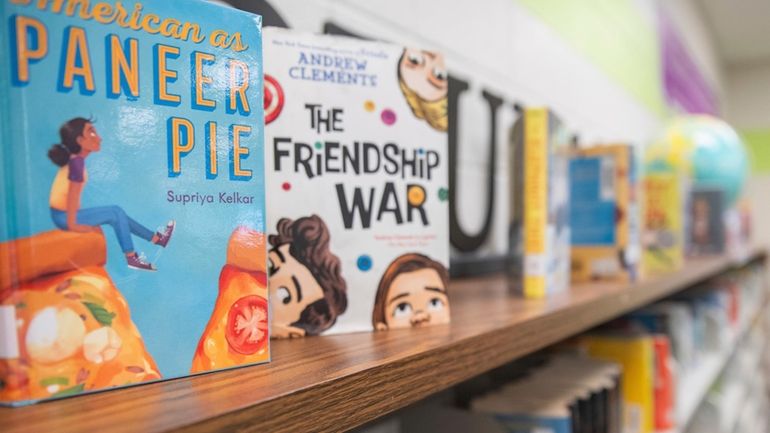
340, 382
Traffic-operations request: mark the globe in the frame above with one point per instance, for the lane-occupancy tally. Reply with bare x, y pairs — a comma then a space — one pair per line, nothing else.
707, 150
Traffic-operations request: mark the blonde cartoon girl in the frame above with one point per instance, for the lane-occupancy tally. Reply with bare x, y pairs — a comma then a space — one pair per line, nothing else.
422, 77
78, 140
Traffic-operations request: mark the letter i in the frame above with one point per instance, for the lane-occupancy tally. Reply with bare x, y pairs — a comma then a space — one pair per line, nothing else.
211, 150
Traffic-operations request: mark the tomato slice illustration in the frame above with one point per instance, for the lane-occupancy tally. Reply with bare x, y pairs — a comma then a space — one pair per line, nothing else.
247, 325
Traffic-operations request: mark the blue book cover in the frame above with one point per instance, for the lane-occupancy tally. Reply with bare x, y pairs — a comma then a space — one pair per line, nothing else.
604, 213
132, 244
594, 206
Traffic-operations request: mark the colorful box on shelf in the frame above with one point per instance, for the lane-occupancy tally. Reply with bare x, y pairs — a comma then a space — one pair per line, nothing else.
604, 213
357, 159
157, 111
540, 205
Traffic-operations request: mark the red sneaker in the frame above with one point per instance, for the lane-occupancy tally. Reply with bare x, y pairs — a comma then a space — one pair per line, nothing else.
135, 261
164, 235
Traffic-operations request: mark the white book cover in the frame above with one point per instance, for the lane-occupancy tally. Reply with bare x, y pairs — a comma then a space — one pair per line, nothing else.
357, 184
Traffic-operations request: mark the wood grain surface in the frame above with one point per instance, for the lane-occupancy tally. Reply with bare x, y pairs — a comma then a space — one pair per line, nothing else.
335, 383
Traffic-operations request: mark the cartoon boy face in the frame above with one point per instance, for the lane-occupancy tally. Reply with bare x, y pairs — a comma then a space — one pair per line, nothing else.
292, 289
425, 73
416, 298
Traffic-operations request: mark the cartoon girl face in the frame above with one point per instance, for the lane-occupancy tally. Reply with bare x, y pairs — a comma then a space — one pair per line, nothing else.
90, 140
292, 286
415, 299
425, 73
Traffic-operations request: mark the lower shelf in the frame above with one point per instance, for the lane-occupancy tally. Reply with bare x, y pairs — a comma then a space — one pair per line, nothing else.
340, 382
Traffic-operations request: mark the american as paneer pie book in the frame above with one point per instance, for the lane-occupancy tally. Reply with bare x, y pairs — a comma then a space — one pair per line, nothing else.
356, 145
132, 240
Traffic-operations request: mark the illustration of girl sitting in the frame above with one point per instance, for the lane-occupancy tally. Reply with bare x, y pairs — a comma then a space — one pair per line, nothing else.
78, 140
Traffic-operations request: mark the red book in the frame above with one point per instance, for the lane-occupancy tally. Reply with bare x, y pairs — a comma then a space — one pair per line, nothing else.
664, 384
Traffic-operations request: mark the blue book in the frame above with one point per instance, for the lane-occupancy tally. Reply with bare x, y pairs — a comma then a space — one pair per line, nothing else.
132, 243
604, 213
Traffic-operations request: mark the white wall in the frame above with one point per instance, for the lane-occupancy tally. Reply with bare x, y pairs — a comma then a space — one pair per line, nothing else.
499, 47
748, 95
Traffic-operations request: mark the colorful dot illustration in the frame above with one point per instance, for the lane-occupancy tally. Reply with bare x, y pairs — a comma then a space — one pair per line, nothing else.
388, 116
443, 194
369, 105
286, 186
421, 151
318, 145
364, 262
416, 195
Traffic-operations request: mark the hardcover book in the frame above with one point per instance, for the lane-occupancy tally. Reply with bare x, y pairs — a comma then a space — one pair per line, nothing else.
665, 384
119, 117
527, 406
569, 394
604, 213
706, 228
540, 205
663, 230
356, 147
635, 353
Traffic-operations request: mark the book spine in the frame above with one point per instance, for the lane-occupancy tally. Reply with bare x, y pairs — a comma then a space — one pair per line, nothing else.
634, 216
516, 228
4, 133
664, 384
9, 344
535, 201
622, 179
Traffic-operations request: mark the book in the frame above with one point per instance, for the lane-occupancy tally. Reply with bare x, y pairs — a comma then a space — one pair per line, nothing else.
675, 320
604, 213
118, 117
635, 353
663, 229
706, 228
547, 409
608, 375
569, 393
356, 148
540, 244
665, 384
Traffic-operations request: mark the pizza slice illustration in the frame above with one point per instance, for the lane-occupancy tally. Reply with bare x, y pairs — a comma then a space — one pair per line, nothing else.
238, 331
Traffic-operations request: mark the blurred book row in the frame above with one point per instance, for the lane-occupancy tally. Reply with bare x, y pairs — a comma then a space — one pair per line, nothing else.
695, 363
611, 212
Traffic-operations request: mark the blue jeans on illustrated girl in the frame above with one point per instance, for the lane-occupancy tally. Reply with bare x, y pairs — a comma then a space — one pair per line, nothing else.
123, 225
